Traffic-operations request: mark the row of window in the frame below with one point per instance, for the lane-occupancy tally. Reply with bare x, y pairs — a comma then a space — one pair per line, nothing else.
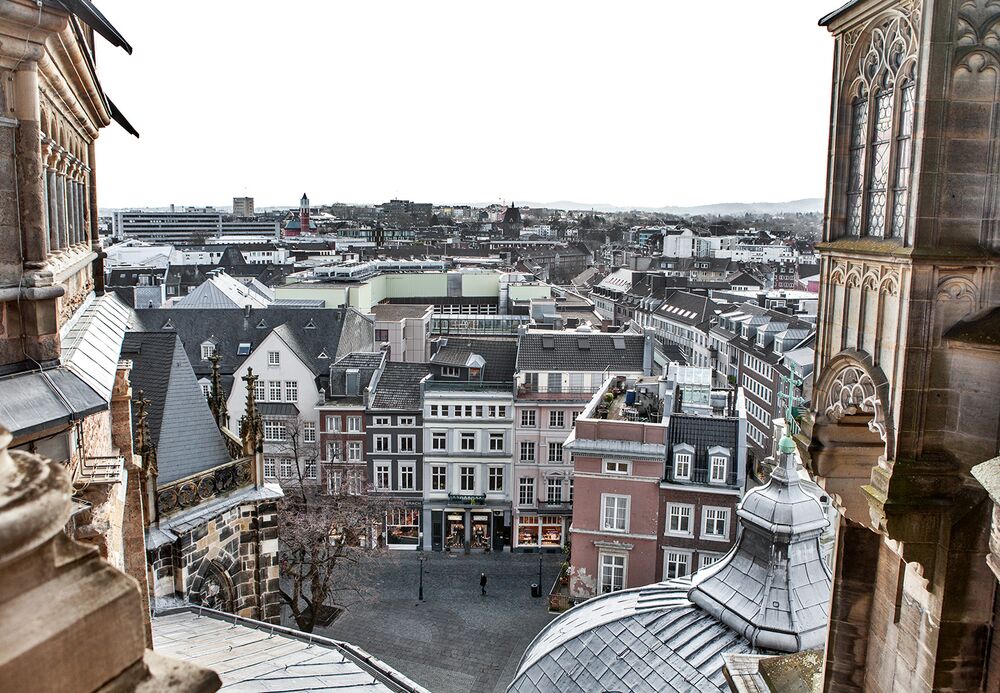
468, 411
761, 391
335, 424
557, 419
467, 442
467, 478
758, 366
718, 468
553, 491
756, 435
272, 391
714, 526
279, 430
402, 421
528, 452
275, 467
404, 443
758, 412
676, 564
335, 451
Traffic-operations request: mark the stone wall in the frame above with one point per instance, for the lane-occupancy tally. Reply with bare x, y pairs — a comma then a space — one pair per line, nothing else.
229, 562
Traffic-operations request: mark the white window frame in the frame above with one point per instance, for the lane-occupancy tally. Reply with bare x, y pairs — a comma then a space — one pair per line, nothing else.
464, 478
706, 559
274, 390
557, 419
689, 516
406, 421
612, 560
207, 349
407, 443
615, 500
270, 467
334, 423
715, 512
495, 484
308, 431
464, 444
383, 477
526, 491
382, 443
381, 421
449, 372
353, 424
714, 465
685, 458
310, 468
439, 441
496, 441
407, 476
554, 491
529, 418
439, 477
285, 470
555, 453
352, 446
274, 358
617, 467
675, 556
529, 445
291, 390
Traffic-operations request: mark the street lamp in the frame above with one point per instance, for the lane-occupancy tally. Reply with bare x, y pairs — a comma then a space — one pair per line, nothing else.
422, 559
539, 570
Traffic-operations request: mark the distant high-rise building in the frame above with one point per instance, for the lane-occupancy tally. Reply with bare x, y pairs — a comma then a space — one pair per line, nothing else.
304, 212
242, 206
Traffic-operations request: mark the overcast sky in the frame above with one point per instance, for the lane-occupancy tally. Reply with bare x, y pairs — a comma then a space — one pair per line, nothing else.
627, 103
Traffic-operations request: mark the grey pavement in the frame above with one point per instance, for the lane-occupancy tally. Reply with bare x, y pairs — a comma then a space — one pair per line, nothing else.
456, 640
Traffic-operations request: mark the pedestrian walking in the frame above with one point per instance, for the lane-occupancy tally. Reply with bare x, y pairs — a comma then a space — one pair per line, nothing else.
482, 582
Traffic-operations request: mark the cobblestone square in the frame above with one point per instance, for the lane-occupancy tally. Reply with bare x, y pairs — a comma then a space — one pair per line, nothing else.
456, 640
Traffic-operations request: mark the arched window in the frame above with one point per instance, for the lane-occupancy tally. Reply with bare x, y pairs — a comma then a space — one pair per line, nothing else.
881, 131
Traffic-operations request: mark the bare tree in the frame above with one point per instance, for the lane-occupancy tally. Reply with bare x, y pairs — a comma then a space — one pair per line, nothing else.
329, 543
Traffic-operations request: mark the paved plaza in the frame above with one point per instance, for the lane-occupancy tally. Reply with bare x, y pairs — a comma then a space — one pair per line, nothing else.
456, 640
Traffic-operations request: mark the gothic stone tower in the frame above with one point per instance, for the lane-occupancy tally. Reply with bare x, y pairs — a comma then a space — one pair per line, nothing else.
907, 396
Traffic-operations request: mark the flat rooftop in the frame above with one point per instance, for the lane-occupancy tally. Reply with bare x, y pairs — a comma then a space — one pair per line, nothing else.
398, 311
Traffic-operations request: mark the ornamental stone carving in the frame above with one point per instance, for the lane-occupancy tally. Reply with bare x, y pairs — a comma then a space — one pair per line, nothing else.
977, 35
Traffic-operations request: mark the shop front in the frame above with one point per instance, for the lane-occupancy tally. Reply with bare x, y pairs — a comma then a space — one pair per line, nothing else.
541, 532
476, 529
402, 528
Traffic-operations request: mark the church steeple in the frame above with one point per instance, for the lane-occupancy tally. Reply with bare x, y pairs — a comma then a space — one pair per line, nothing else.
774, 586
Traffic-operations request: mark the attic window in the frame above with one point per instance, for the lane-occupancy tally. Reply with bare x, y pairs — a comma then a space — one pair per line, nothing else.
168, 325
583, 343
322, 355
261, 324
548, 342
310, 325
243, 349
619, 342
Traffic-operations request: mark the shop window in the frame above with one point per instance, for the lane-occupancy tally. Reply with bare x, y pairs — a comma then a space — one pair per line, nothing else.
403, 527
552, 531
527, 530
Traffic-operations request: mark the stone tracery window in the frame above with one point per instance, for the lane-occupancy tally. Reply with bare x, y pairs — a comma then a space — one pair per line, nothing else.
881, 131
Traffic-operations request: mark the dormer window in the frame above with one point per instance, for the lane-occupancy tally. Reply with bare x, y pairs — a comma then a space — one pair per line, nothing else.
207, 350
682, 465
718, 464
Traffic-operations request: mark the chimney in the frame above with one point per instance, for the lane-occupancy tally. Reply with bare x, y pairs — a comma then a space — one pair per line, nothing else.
647, 352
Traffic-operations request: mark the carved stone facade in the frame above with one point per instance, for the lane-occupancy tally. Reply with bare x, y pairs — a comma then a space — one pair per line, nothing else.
907, 392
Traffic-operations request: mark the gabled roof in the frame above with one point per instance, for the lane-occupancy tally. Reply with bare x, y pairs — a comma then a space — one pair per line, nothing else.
223, 291
551, 350
399, 386
687, 308
335, 332
181, 425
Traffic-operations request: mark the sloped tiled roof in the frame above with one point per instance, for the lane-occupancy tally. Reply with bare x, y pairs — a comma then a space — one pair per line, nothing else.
181, 425
544, 350
399, 386
500, 355
687, 308
91, 346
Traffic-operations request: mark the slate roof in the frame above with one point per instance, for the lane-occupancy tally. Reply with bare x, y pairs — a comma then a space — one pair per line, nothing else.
398, 386
334, 381
579, 351
500, 355
702, 433
35, 400
223, 291
687, 308
181, 425
333, 332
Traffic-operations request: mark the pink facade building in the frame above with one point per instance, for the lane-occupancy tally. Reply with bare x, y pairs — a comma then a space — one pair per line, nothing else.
556, 375
659, 468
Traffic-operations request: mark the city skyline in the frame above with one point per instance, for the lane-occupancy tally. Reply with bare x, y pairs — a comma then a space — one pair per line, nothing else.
561, 105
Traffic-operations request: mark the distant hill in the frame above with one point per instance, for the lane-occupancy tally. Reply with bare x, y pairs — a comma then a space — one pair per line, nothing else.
812, 204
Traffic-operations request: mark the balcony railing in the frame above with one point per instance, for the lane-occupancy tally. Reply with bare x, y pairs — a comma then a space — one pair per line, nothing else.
198, 488
702, 477
565, 394
468, 386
